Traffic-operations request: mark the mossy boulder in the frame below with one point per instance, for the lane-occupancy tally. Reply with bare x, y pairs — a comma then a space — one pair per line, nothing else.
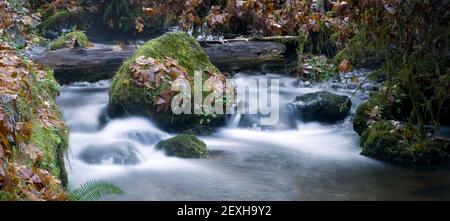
132, 95
321, 106
71, 39
362, 118
185, 146
394, 105
388, 141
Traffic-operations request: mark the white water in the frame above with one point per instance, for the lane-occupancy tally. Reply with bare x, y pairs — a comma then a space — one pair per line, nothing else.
312, 162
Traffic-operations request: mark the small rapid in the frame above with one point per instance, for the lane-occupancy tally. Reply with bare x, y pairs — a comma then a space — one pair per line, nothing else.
306, 161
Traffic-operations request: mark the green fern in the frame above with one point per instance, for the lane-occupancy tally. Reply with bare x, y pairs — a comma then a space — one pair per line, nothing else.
93, 190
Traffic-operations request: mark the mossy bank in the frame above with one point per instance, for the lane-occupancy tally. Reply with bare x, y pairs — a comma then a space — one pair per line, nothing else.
387, 134
33, 136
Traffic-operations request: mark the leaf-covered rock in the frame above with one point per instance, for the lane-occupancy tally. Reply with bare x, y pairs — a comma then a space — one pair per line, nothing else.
142, 86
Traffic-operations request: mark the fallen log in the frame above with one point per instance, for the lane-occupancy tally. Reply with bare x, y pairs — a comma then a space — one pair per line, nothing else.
245, 55
102, 61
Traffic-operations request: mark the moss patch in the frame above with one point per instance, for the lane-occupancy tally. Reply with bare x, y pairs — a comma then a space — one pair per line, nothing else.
65, 19
68, 39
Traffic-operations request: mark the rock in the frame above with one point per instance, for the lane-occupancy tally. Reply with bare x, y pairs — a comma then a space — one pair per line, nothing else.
369, 87
361, 118
321, 106
185, 146
128, 96
352, 86
122, 153
380, 141
384, 141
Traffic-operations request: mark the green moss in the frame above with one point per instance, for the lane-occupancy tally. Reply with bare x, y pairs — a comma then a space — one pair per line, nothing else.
399, 145
65, 19
361, 118
186, 146
51, 140
128, 98
381, 141
61, 42
318, 67
181, 47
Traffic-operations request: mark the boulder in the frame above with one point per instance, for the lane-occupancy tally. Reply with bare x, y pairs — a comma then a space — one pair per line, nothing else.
185, 146
362, 118
142, 86
384, 140
321, 106
122, 153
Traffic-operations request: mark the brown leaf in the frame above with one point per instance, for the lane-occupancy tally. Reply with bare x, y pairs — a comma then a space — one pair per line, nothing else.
345, 66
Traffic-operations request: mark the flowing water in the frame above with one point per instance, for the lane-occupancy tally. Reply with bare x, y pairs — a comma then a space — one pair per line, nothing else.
311, 161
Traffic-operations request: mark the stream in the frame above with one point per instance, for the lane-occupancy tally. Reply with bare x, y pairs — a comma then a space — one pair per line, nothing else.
310, 162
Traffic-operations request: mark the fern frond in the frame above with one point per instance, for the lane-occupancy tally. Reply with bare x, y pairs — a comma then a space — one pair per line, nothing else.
93, 190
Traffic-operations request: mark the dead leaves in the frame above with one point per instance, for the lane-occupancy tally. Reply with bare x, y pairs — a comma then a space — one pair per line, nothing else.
139, 26
17, 77
345, 66
37, 184
155, 75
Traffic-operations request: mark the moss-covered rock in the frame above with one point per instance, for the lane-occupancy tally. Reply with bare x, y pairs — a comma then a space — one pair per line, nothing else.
321, 106
382, 105
399, 144
70, 40
362, 118
185, 146
133, 94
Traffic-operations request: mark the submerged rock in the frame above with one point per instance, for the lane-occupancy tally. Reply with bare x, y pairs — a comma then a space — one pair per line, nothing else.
321, 106
122, 153
142, 86
185, 146
143, 137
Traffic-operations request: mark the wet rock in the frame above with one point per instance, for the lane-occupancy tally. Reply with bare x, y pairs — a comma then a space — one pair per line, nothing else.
185, 146
352, 86
321, 106
369, 87
121, 153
